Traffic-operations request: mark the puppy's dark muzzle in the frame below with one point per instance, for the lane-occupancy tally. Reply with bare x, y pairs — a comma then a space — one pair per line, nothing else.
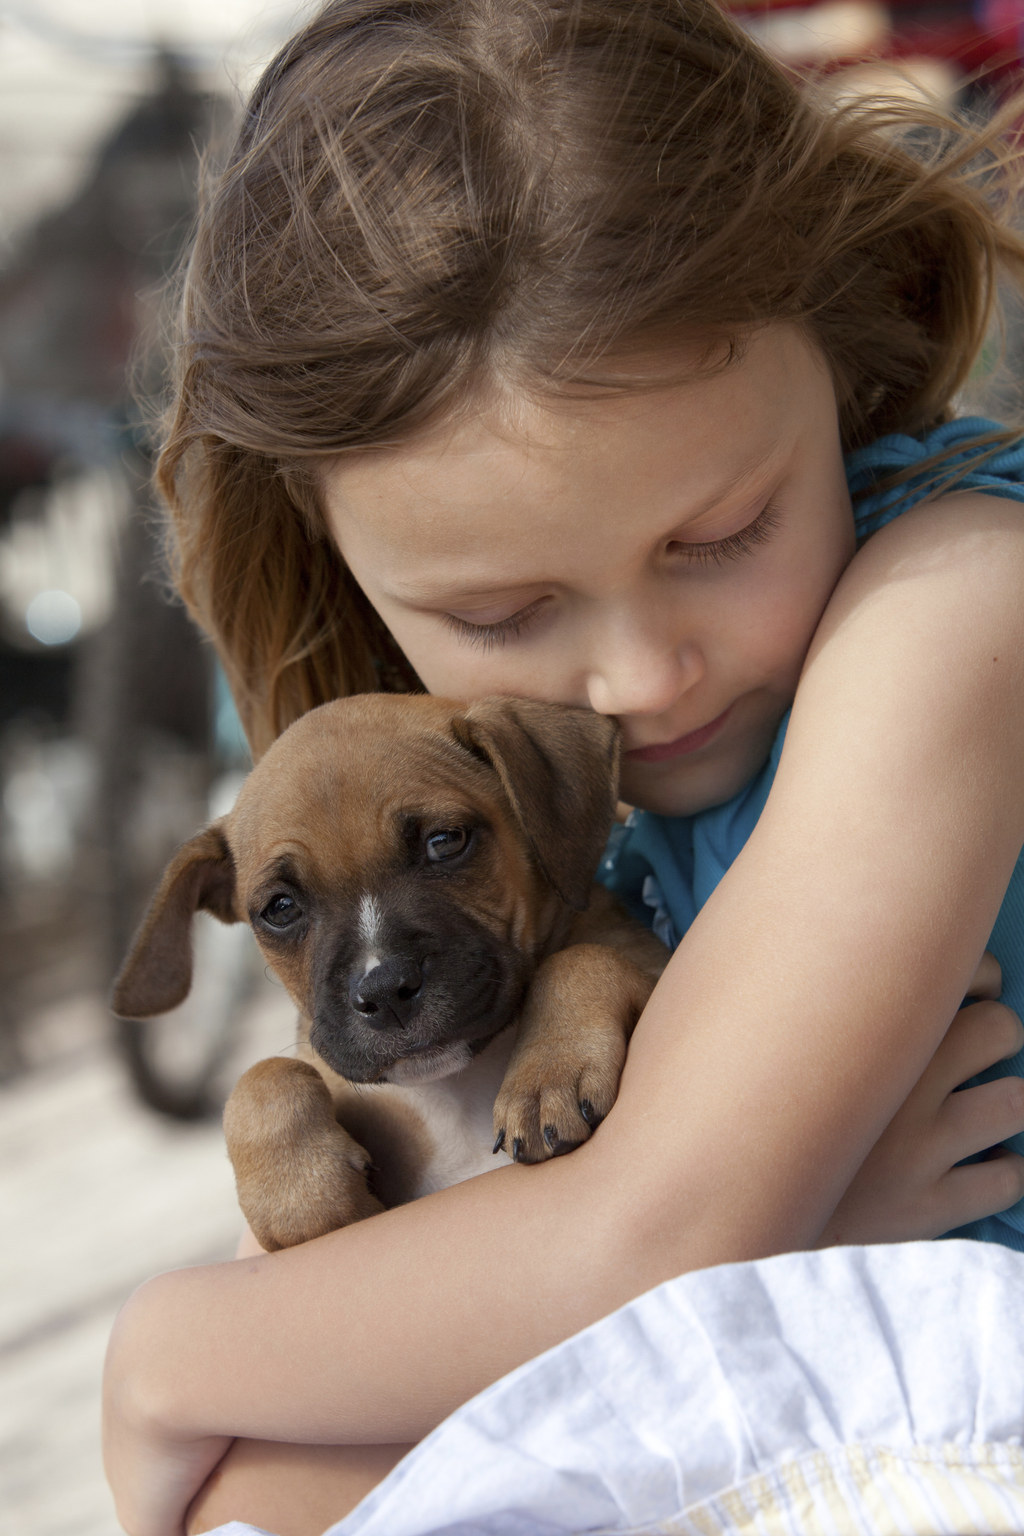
440, 989
389, 995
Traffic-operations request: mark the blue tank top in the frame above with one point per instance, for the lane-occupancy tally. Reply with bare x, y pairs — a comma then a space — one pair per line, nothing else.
664, 868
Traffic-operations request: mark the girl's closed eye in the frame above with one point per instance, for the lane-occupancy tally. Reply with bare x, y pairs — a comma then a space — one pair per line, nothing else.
487, 636
735, 545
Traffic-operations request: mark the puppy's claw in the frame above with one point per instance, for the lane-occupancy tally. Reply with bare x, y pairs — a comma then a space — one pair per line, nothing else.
589, 1113
499, 1141
517, 1150
557, 1145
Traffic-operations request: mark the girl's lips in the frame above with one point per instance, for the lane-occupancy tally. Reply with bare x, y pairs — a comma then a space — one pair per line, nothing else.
682, 744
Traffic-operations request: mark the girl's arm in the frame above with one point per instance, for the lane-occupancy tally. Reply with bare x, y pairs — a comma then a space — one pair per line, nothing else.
803, 1005
909, 1186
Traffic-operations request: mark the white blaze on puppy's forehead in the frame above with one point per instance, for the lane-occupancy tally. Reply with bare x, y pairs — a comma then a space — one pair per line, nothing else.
371, 925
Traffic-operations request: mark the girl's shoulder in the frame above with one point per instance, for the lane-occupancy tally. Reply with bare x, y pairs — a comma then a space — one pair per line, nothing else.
889, 476
936, 592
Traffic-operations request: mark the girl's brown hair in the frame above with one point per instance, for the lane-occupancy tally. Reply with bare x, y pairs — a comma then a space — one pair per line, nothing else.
429, 194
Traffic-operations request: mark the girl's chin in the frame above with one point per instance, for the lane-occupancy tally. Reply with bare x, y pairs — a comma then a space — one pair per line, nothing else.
678, 788
711, 775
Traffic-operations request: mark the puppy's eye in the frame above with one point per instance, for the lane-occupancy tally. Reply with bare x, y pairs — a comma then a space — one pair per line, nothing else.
281, 912
446, 843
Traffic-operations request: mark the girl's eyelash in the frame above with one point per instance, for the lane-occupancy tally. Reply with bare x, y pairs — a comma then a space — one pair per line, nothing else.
487, 636
716, 551
713, 552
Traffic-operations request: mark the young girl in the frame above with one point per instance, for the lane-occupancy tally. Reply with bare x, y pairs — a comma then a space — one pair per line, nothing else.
522, 344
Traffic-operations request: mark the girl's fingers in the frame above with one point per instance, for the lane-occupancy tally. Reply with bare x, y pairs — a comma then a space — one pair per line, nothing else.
908, 1186
987, 981
980, 1189
979, 1036
981, 1117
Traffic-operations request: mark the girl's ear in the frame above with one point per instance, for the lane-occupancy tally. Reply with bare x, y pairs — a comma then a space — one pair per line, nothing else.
559, 768
157, 973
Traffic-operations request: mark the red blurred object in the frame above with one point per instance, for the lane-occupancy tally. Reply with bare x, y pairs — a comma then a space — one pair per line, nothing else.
979, 37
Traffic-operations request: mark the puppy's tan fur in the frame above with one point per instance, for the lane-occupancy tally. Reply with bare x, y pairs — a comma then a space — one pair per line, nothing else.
419, 876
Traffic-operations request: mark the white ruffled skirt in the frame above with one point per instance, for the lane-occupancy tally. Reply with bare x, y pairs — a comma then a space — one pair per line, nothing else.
851, 1392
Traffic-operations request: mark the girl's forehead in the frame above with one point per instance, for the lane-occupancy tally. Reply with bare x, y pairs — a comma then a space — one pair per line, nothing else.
710, 424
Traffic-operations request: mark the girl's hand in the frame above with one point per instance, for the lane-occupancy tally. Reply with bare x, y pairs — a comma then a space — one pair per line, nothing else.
909, 1187
152, 1473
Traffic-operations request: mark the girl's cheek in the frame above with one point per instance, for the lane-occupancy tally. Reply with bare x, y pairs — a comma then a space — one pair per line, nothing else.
500, 670
459, 668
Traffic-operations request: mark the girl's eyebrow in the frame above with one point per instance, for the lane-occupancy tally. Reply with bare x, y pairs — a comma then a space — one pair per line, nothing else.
765, 465
447, 591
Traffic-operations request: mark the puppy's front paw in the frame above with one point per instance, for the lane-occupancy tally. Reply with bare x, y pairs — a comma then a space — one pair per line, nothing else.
570, 1047
299, 1173
552, 1099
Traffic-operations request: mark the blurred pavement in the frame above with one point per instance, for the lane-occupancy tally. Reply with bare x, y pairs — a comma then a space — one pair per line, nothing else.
96, 1194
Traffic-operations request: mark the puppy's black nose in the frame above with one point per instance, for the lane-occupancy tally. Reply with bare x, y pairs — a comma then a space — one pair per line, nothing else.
387, 995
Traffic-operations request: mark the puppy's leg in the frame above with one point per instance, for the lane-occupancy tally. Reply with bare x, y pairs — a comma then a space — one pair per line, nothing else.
571, 1040
299, 1173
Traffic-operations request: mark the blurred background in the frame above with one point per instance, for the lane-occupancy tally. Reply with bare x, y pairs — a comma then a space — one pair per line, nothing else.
116, 737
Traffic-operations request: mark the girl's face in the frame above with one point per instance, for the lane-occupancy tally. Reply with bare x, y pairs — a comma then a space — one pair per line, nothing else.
660, 557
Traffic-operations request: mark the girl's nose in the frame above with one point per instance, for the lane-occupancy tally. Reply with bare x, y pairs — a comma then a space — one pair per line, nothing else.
641, 677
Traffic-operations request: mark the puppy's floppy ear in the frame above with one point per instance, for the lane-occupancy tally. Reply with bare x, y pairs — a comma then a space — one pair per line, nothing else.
157, 974
559, 768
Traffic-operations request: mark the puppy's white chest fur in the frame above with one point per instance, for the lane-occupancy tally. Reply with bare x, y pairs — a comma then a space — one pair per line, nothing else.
457, 1114
424, 1133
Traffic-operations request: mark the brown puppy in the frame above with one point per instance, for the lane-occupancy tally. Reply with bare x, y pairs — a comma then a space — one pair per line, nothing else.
419, 876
